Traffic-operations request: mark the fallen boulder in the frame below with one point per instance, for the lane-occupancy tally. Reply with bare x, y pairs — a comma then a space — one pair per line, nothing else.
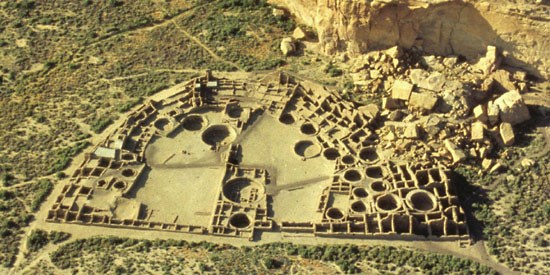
512, 108
507, 133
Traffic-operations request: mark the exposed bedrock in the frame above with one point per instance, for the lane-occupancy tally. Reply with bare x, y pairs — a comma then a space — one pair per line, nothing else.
441, 27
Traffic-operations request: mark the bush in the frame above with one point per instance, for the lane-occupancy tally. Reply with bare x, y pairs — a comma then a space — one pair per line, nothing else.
44, 187
333, 70
37, 239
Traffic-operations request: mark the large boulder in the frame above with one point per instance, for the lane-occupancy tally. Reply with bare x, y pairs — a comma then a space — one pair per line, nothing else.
512, 108
288, 46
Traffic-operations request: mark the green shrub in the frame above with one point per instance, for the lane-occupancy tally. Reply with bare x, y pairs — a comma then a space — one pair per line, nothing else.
37, 239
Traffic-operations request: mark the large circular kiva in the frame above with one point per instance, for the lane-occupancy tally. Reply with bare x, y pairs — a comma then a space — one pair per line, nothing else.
368, 154
239, 220
219, 134
194, 123
307, 149
234, 111
388, 202
242, 190
353, 175
421, 200
334, 213
308, 129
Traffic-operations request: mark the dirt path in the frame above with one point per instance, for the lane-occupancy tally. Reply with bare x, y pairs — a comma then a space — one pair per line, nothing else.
205, 47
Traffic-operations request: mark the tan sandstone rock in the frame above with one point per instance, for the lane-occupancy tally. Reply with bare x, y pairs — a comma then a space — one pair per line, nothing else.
507, 133
401, 90
512, 108
457, 154
423, 101
477, 133
480, 113
287, 46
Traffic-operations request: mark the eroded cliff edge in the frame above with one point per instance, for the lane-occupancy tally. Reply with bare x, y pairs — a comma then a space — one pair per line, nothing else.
441, 27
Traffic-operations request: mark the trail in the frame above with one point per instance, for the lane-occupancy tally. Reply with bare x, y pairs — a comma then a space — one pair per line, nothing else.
205, 47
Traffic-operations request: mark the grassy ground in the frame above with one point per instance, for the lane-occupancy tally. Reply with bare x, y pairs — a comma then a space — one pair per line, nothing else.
120, 255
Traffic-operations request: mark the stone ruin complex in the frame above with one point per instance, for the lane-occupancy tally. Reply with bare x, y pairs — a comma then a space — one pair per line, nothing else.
231, 158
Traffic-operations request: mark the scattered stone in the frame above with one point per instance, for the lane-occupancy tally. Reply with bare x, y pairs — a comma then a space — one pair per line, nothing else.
456, 153
507, 133
299, 34
502, 80
390, 137
483, 152
520, 75
526, 162
499, 166
477, 133
411, 132
486, 164
490, 62
434, 82
493, 112
433, 125
432, 62
391, 104
370, 110
395, 115
449, 62
512, 108
287, 46
394, 52
480, 113
278, 12
401, 90
417, 76
423, 101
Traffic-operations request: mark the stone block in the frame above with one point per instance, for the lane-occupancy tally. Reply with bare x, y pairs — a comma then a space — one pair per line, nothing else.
507, 133
512, 108
477, 133
401, 90
423, 101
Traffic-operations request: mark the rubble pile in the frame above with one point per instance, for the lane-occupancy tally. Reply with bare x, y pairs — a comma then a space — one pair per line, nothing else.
442, 109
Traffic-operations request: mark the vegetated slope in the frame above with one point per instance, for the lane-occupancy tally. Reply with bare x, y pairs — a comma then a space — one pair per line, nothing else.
121, 255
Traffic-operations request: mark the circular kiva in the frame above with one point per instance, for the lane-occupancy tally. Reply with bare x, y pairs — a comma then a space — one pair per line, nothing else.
388, 202
194, 123
287, 119
127, 156
334, 213
161, 123
219, 134
331, 153
308, 129
307, 149
242, 190
348, 159
353, 175
368, 154
119, 185
374, 172
234, 111
358, 207
128, 172
378, 186
239, 220
421, 200
360, 192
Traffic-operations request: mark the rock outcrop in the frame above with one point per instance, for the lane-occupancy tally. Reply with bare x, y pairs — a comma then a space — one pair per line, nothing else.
441, 27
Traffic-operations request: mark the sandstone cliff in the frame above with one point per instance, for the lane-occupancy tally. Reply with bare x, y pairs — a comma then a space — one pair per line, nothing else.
442, 27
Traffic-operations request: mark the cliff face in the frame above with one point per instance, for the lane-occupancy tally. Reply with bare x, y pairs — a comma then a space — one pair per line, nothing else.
442, 27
